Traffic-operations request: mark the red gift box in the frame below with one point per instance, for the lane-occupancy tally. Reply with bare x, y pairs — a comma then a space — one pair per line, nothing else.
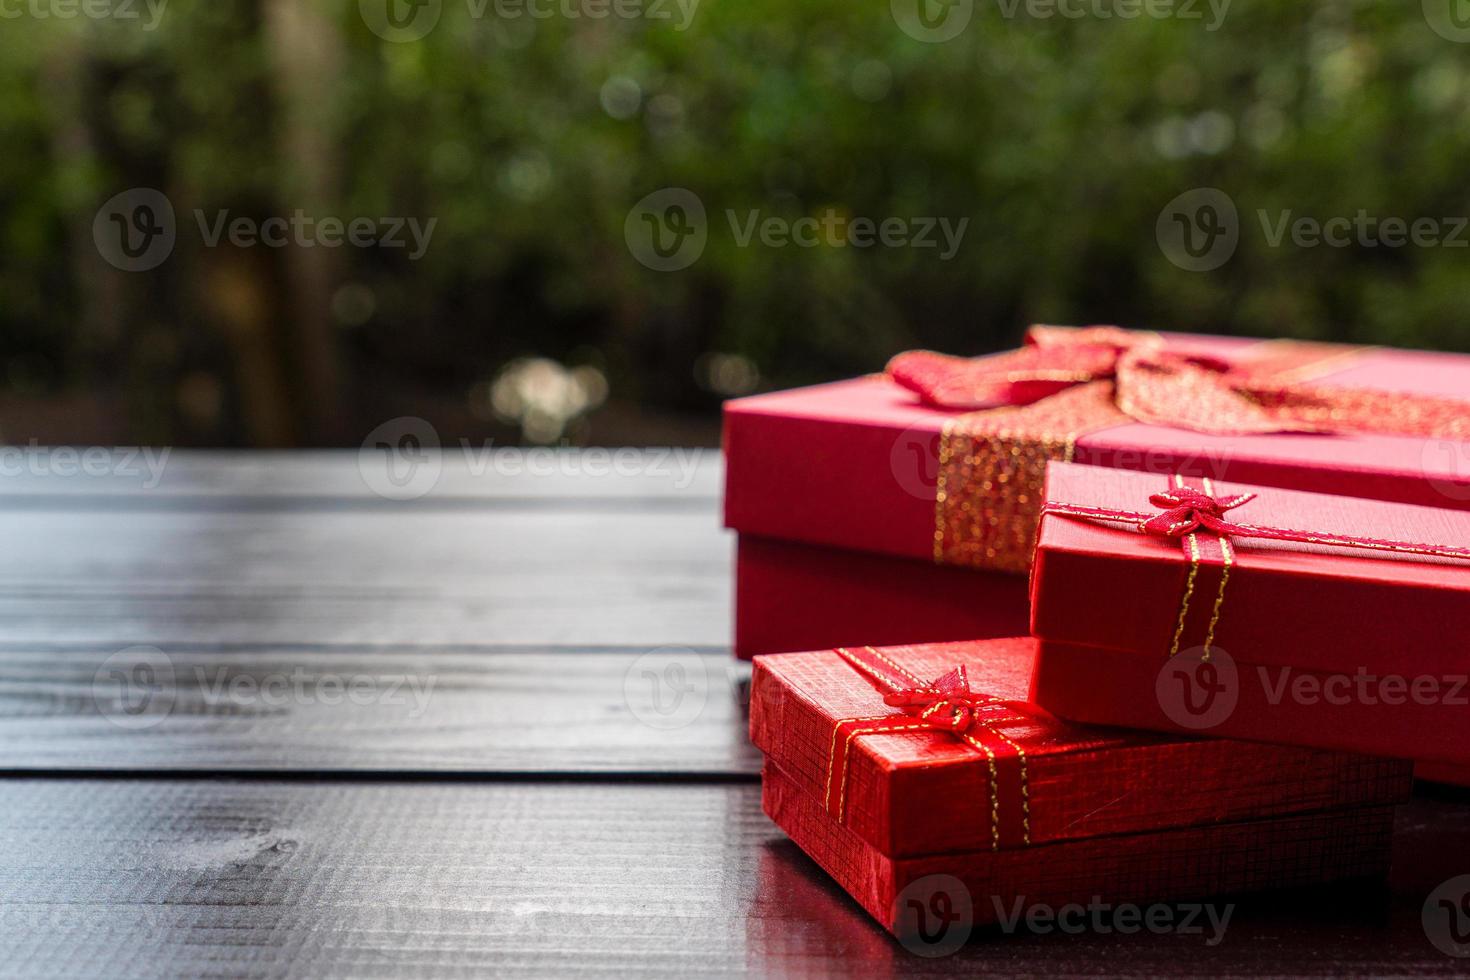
792, 597
886, 779
1347, 639
961, 890
871, 465
1016, 778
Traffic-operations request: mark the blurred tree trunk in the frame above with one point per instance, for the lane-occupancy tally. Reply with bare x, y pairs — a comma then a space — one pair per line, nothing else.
67, 75
306, 53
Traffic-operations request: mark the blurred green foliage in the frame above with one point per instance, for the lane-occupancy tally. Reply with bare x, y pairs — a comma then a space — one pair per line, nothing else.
530, 139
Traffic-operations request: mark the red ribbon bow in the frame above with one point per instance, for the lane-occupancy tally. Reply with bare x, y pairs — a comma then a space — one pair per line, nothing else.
948, 703
1155, 385
1186, 510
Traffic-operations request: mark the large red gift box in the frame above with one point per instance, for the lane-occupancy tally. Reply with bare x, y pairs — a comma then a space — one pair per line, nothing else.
1301, 618
943, 460
883, 776
791, 597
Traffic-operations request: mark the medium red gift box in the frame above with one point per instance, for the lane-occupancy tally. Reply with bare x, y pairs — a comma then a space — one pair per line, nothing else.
791, 597
943, 459
1289, 617
882, 776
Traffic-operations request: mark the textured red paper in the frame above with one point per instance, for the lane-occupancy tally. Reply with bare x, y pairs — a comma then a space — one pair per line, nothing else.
1107, 602
1169, 865
925, 792
853, 464
791, 597
1441, 773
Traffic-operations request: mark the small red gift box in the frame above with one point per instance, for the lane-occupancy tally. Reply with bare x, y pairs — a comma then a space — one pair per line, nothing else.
943, 460
976, 888
884, 776
791, 597
1292, 617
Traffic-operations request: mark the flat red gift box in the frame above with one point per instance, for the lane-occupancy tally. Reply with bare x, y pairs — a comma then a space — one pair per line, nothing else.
975, 888
792, 597
1019, 779
857, 464
1358, 649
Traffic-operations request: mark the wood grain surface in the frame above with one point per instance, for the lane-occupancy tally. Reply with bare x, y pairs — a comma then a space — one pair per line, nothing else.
483, 710
258, 719
262, 878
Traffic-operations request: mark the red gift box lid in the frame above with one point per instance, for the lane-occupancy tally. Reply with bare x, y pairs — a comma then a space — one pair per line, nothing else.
1032, 779
856, 464
1310, 606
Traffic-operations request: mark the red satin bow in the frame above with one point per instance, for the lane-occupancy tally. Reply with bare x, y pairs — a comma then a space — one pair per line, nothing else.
949, 703
1154, 385
1186, 510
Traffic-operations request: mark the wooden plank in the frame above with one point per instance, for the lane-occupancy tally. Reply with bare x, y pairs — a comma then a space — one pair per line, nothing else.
281, 879
456, 475
474, 710
409, 577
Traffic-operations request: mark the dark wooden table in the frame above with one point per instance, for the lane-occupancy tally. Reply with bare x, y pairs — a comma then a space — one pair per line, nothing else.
257, 720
